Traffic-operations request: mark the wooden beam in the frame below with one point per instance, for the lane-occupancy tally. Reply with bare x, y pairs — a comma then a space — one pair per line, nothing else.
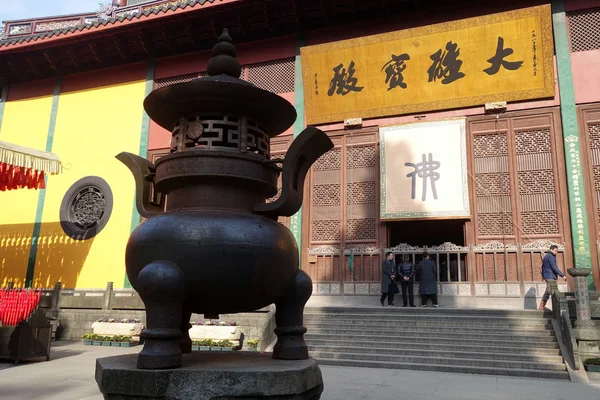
14, 69
189, 29
97, 56
48, 57
166, 39
71, 57
146, 42
121, 48
32, 66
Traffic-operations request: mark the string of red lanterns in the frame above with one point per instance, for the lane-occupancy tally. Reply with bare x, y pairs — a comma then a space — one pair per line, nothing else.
13, 177
16, 305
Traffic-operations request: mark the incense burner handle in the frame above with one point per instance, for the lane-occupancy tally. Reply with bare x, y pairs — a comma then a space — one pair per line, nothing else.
311, 144
143, 172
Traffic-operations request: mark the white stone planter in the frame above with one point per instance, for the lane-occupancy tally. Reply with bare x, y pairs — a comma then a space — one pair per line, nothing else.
231, 333
117, 328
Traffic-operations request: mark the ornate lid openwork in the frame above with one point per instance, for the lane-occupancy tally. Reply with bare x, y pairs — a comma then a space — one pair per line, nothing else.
222, 93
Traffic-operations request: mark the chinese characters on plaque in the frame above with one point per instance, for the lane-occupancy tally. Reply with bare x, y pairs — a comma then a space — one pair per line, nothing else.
424, 170
501, 57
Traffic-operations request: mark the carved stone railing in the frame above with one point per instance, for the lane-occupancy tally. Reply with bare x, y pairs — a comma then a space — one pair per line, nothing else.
564, 328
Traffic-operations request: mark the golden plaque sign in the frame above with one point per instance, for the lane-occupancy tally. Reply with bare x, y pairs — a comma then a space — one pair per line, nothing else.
499, 57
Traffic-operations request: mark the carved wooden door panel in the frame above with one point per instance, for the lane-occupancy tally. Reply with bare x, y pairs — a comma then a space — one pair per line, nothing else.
520, 197
342, 213
589, 133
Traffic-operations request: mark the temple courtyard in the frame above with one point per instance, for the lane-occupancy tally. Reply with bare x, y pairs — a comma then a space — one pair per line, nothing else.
70, 376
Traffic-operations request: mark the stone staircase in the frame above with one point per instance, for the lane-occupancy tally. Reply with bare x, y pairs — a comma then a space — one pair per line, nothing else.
473, 341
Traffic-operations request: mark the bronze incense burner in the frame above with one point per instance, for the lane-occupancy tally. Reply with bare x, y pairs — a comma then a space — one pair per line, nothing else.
211, 243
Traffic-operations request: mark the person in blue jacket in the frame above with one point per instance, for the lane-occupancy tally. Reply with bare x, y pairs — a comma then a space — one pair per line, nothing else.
550, 273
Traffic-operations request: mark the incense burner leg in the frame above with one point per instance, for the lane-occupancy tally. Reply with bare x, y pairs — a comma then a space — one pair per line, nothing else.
186, 343
161, 286
289, 318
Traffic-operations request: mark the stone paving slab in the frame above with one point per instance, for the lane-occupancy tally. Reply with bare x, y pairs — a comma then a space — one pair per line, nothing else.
70, 376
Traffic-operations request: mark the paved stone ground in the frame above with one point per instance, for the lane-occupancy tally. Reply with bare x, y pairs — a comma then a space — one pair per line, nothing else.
70, 376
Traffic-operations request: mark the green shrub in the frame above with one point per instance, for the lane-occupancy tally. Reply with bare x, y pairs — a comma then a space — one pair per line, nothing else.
253, 344
592, 361
224, 343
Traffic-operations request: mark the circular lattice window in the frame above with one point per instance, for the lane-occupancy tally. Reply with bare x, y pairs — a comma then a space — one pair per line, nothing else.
86, 208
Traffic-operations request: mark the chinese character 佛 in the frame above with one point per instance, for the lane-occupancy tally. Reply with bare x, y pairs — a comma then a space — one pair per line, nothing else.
499, 59
393, 71
426, 169
446, 65
343, 82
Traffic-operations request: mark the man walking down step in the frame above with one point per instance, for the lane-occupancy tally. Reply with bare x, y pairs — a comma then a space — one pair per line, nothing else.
388, 286
406, 271
550, 273
428, 281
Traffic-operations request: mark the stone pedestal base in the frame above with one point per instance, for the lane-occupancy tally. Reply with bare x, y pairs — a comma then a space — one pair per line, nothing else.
588, 348
211, 375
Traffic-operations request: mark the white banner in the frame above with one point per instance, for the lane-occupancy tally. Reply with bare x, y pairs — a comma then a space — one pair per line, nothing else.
424, 170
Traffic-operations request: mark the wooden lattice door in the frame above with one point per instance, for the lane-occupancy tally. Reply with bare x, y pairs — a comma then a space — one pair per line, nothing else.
589, 133
341, 213
519, 191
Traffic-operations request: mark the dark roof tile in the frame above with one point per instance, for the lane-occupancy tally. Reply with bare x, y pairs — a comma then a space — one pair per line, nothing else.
58, 32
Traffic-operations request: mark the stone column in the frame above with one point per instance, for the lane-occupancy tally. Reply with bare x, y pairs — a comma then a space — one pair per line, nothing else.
574, 171
586, 332
108, 292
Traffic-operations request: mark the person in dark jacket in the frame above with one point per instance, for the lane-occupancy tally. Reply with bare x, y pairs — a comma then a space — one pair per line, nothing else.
550, 273
388, 286
405, 274
428, 281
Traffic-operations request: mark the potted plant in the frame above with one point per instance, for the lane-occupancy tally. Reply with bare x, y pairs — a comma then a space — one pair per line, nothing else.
253, 345
96, 340
205, 344
195, 345
87, 339
126, 341
592, 364
225, 345
105, 340
116, 341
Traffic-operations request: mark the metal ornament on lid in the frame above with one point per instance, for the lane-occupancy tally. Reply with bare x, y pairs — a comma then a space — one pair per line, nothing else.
215, 246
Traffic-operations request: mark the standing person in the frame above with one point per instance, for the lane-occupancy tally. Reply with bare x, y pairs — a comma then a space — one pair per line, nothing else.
428, 282
406, 272
388, 275
550, 273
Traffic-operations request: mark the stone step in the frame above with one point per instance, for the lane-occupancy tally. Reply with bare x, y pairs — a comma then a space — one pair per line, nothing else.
377, 309
442, 331
490, 335
533, 373
424, 323
440, 346
398, 341
542, 357
425, 317
422, 359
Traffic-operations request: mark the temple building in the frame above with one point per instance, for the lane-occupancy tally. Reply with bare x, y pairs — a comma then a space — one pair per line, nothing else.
468, 130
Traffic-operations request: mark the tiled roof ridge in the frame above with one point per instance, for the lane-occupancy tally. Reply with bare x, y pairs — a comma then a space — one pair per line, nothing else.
109, 21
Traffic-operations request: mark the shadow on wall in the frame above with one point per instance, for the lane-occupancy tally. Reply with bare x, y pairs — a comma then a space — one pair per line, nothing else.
15, 245
59, 258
